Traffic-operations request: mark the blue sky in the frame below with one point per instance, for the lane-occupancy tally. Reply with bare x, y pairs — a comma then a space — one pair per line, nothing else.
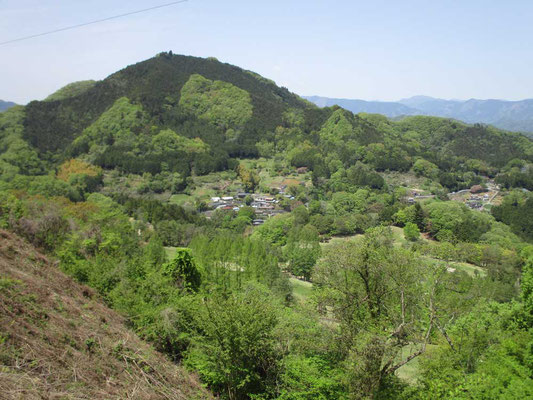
375, 50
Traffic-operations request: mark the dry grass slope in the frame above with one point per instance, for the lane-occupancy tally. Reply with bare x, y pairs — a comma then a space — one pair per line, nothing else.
59, 341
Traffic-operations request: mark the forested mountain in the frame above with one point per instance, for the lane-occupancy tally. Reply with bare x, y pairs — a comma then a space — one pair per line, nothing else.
196, 115
276, 249
155, 85
4, 105
514, 116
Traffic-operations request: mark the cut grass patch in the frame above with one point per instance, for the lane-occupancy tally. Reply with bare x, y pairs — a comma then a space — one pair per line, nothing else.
170, 251
410, 371
301, 290
180, 199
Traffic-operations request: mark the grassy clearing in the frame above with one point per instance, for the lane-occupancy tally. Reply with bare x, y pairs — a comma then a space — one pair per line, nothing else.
397, 235
470, 269
410, 371
339, 239
269, 177
170, 251
407, 179
301, 290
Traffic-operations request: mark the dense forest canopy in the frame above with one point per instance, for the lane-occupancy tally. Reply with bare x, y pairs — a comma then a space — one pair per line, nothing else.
278, 249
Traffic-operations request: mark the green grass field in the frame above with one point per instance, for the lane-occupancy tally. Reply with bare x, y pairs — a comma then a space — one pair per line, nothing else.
170, 251
180, 199
300, 289
470, 269
339, 239
410, 371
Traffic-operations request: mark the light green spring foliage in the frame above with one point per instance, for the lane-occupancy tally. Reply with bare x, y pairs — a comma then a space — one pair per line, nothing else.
294, 117
220, 103
119, 123
183, 271
235, 349
425, 168
344, 203
311, 378
71, 90
337, 128
457, 221
274, 230
527, 283
229, 261
491, 358
168, 140
411, 231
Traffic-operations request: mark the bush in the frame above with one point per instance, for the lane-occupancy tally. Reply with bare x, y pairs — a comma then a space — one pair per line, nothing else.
411, 232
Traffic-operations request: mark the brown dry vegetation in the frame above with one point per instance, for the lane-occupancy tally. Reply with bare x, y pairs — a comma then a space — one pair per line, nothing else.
59, 341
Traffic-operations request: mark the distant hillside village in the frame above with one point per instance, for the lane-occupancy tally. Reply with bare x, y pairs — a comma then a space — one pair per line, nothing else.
265, 206
478, 197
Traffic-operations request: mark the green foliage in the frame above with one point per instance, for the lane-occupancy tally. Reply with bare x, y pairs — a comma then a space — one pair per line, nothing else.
274, 230
311, 378
527, 285
44, 185
373, 289
223, 305
183, 270
344, 203
411, 231
452, 221
250, 179
516, 174
117, 124
425, 168
515, 211
220, 103
229, 261
491, 358
302, 250
234, 350
16, 155
168, 141
71, 90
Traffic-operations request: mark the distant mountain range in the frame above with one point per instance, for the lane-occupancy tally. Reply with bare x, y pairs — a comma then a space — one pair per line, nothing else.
4, 105
509, 115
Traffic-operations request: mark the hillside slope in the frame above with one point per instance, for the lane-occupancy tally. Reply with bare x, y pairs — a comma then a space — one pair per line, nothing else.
59, 341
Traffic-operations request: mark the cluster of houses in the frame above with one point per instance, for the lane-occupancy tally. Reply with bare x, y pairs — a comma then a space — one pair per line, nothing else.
474, 197
416, 195
479, 195
265, 206
475, 202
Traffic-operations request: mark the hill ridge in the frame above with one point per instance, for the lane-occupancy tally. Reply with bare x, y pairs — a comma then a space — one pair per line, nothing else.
511, 115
